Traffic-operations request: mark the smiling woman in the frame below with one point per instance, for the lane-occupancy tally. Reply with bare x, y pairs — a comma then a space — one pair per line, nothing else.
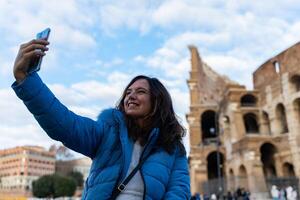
136, 148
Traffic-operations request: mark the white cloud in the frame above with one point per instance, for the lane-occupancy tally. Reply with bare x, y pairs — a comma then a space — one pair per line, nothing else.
74, 38
233, 37
180, 101
30, 134
96, 91
18, 126
186, 13
130, 14
85, 98
91, 111
68, 21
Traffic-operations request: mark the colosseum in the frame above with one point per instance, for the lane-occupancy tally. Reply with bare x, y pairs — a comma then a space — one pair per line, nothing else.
243, 138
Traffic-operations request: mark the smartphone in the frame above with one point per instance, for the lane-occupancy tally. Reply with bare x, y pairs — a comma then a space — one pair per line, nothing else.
35, 63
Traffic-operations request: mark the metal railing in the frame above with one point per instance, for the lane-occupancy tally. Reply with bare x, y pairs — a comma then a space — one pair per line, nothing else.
223, 185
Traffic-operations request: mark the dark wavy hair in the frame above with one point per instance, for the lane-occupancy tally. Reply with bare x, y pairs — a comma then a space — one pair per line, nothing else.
162, 116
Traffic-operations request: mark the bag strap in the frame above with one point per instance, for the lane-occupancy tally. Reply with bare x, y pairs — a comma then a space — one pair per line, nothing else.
119, 188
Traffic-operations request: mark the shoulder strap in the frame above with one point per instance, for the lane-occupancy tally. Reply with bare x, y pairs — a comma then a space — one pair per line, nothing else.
119, 188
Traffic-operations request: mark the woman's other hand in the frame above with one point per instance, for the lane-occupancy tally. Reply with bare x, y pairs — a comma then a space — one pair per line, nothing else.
27, 52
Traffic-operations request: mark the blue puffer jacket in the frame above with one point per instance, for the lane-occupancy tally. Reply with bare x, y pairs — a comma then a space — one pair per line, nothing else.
106, 142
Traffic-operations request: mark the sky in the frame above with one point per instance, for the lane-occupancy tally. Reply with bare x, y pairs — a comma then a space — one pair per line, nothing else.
97, 47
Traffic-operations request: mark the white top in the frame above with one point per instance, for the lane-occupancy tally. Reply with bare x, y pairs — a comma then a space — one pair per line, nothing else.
274, 192
134, 190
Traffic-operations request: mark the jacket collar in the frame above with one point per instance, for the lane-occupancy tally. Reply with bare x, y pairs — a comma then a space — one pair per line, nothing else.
127, 143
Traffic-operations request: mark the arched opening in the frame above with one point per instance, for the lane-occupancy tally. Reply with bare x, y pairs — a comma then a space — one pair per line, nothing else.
208, 126
266, 123
213, 169
296, 105
248, 100
295, 80
250, 123
215, 172
242, 171
231, 174
288, 170
243, 178
231, 180
281, 119
268, 152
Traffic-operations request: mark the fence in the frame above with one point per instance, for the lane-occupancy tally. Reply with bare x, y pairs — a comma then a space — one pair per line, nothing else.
222, 185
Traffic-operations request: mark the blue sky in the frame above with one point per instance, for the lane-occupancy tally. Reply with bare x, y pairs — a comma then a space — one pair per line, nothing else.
96, 47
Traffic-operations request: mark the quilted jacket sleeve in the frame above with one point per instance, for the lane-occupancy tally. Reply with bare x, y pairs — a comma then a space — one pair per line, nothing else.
179, 182
77, 133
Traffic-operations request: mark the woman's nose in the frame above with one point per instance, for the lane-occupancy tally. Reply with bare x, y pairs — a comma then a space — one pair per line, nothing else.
132, 95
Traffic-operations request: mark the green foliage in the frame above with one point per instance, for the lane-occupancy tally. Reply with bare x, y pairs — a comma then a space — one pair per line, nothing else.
43, 187
53, 186
78, 177
64, 186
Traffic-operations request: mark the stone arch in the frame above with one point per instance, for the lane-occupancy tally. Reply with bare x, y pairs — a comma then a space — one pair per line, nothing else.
242, 171
213, 168
208, 125
248, 100
231, 180
266, 126
267, 157
281, 118
243, 177
288, 170
231, 173
296, 105
295, 81
250, 122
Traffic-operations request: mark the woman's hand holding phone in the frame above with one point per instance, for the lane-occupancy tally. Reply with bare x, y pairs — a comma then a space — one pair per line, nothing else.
33, 50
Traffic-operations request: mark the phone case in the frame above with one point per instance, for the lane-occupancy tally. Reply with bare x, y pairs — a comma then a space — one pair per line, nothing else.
35, 64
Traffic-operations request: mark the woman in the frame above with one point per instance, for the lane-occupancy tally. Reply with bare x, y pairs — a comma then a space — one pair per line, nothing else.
141, 133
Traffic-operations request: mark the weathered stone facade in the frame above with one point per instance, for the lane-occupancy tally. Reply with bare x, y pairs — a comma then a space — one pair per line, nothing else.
258, 131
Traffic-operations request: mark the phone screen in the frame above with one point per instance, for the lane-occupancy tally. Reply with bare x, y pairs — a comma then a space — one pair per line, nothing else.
35, 64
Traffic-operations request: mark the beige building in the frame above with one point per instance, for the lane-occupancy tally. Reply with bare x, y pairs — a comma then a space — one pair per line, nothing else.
20, 166
245, 138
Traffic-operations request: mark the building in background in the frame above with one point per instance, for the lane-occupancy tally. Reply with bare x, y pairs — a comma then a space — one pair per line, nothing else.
20, 166
81, 165
243, 138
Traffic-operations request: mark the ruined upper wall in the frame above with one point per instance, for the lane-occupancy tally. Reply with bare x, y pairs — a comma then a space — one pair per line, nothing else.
210, 85
270, 73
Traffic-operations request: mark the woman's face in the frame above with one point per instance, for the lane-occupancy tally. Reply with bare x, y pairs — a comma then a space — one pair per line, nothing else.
137, 101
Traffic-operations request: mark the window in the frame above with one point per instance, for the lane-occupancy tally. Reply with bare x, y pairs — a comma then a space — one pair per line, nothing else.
277, 67
250, 122
248, 100
295, 81
281, 118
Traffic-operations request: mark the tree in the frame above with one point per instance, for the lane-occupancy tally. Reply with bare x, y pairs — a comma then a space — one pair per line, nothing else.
43, 187
64, 186
53, 186
78, 177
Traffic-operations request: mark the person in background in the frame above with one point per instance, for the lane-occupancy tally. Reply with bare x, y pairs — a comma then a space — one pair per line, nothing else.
136, 148
213, 197
229, 196
274, 192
